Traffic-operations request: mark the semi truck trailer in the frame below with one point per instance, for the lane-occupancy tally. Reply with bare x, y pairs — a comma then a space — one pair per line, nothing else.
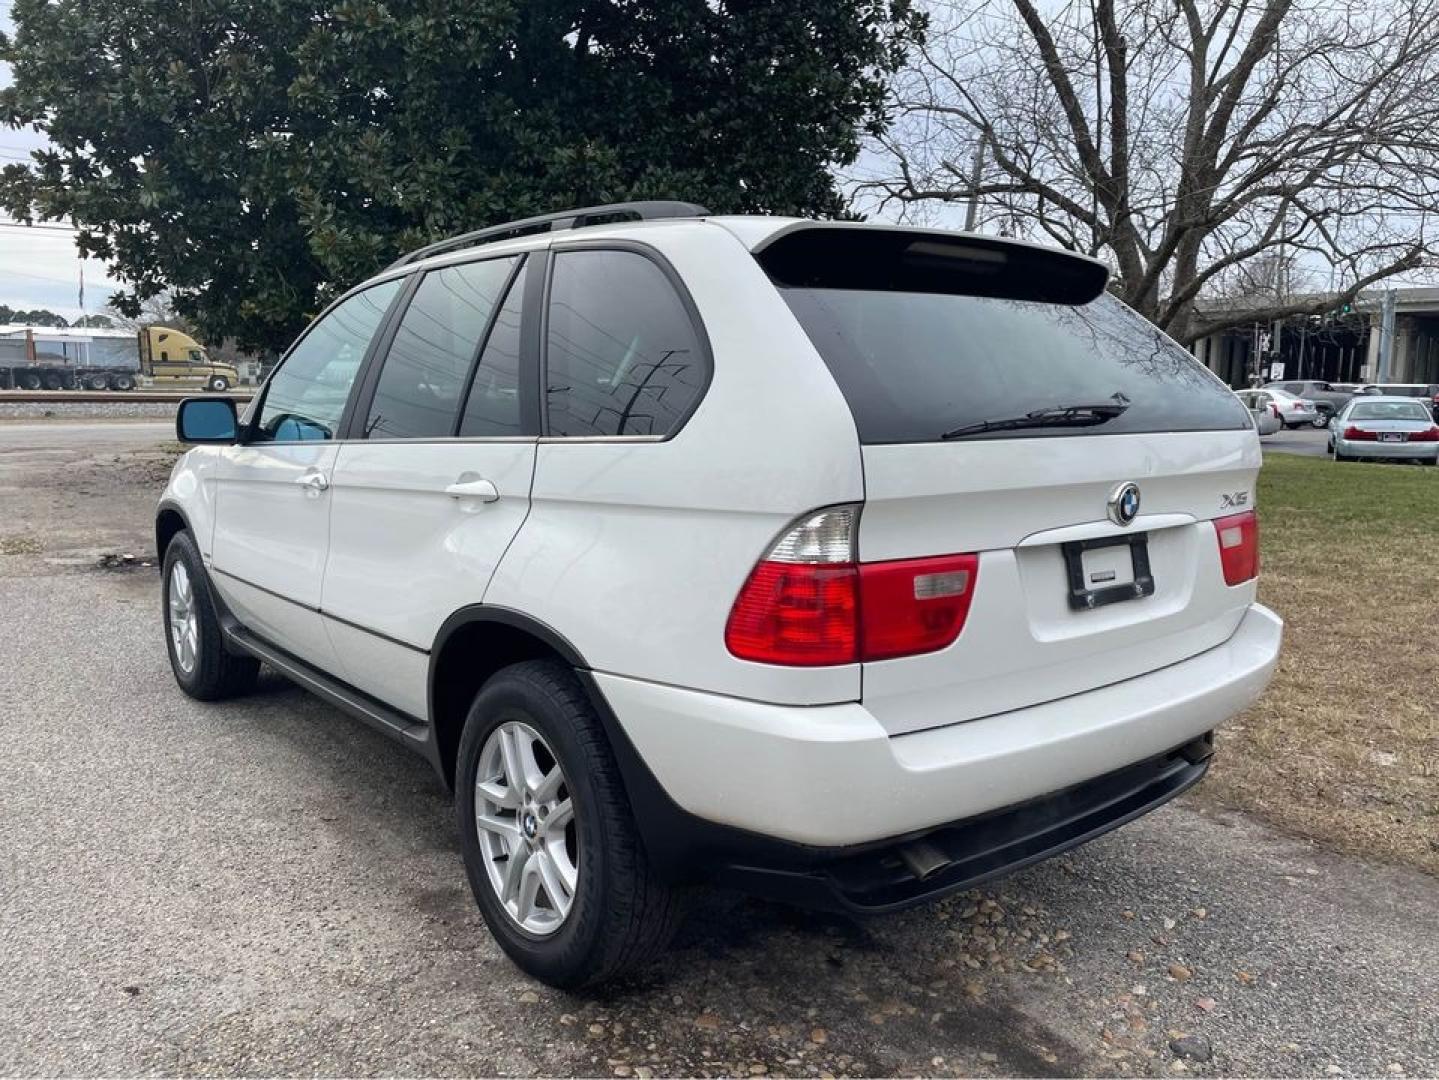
50, 358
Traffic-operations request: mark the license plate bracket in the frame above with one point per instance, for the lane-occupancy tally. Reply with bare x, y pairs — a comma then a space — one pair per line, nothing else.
1084, 598
1392, 436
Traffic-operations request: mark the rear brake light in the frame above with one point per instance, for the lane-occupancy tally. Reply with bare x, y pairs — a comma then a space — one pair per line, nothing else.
1431, 435
810, 602
1297, 406
1238, 546
1354, 434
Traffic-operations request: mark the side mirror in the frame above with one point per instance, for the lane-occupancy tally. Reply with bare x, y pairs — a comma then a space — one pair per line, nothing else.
206, 420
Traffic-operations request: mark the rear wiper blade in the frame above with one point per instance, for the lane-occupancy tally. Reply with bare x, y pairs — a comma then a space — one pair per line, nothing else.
1059, 416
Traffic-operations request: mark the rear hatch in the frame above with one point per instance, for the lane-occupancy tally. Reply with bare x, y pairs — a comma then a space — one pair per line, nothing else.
1007, 406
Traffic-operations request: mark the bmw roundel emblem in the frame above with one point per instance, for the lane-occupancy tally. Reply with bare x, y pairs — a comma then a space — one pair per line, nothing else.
1124, 504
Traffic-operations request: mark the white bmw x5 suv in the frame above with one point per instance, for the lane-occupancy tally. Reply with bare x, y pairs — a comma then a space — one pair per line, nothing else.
848, 564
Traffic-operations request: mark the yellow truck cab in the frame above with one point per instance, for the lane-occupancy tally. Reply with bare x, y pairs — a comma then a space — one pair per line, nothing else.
170, 356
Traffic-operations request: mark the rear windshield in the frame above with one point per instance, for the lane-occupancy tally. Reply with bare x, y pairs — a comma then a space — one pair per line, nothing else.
1389, 410
916, 365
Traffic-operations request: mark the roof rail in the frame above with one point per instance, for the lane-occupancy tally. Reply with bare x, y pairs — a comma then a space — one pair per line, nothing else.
647, 210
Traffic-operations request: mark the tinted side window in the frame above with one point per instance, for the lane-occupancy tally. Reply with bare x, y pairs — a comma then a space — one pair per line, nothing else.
422, 383
623, 356
493, 407
306, 396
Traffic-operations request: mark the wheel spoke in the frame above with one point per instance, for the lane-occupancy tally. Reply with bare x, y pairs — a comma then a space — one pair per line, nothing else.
510, 751
529, 889
514, 872
559, 817
498, 794
557, 888
505, 828
558, 857
549, 785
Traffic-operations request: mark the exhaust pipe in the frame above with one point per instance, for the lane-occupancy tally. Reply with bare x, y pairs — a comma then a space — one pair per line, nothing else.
923, 859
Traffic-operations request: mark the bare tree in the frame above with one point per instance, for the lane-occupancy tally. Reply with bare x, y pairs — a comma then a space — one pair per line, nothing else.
1181, 139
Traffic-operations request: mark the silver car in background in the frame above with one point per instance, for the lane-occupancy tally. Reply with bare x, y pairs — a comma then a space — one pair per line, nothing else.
1261, 410
1294, 411
1385, 428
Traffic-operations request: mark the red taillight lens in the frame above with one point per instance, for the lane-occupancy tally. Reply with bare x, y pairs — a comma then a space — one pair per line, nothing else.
808, 603
799, 614
914, 605
1297, 406
1354, 434
1431, 435
1238, 546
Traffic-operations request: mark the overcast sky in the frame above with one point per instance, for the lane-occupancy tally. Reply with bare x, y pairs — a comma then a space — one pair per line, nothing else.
40, 267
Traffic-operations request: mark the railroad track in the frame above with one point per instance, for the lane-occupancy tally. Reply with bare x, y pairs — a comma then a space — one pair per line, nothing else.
115, 397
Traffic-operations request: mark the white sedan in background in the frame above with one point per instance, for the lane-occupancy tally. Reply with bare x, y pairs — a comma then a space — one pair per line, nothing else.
1262, 410
1392, 428
1294, 411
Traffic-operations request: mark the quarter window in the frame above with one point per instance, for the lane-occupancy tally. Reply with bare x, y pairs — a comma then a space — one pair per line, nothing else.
306, 396
422, 384
623, 357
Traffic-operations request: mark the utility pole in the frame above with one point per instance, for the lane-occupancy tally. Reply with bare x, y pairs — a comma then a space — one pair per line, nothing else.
1386, 334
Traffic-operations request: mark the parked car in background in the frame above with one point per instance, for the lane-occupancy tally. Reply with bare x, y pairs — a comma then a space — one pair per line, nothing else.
1327, 398
1262, 411
1426, 392
1293, 411
1385, 428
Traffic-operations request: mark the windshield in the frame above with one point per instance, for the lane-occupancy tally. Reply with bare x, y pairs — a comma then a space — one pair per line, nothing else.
1389, 410
913, 366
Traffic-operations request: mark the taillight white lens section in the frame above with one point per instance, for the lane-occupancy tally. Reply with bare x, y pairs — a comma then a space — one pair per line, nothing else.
810, 603
1238, 546
913, 606
826, 536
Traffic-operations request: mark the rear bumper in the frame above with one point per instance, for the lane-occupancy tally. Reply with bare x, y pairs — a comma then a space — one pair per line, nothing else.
823, 782
1388, 451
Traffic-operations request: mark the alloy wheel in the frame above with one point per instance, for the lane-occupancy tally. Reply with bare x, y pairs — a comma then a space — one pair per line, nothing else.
184, 620
525, 820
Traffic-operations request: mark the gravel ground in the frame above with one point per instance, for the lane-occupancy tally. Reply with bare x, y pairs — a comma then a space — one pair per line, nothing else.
84, 410
267, 887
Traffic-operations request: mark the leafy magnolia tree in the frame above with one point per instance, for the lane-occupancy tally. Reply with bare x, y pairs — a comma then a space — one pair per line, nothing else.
1183, 139
254, 156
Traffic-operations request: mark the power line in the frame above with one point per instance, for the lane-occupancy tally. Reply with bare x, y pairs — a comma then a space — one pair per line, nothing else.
39, 228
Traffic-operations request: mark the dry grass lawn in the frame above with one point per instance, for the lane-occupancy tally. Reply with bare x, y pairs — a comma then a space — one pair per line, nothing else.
1344, 746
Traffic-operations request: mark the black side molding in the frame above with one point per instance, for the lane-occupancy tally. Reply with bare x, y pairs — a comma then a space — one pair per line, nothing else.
399, 726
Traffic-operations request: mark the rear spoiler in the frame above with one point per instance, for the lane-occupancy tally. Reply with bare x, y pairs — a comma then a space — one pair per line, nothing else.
842, 255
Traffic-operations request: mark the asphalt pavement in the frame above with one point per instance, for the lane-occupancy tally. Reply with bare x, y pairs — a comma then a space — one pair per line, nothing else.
267, 887
1308, 441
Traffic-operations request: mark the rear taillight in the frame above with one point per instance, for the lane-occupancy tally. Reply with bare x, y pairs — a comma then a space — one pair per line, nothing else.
913, 606
1354, 434
1238, 546
1431, 435
1297, 406
810, 602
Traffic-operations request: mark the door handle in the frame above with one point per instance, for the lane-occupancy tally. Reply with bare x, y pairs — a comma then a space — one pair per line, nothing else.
480, 489
314, 483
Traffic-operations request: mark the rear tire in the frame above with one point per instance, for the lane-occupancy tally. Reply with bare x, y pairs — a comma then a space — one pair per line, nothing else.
203, 667
54, 381
97, 382
122, 382
28, 380
620, 915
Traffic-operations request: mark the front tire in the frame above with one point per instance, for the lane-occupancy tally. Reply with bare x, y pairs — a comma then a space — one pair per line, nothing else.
534, 751
203, 667
219, 384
